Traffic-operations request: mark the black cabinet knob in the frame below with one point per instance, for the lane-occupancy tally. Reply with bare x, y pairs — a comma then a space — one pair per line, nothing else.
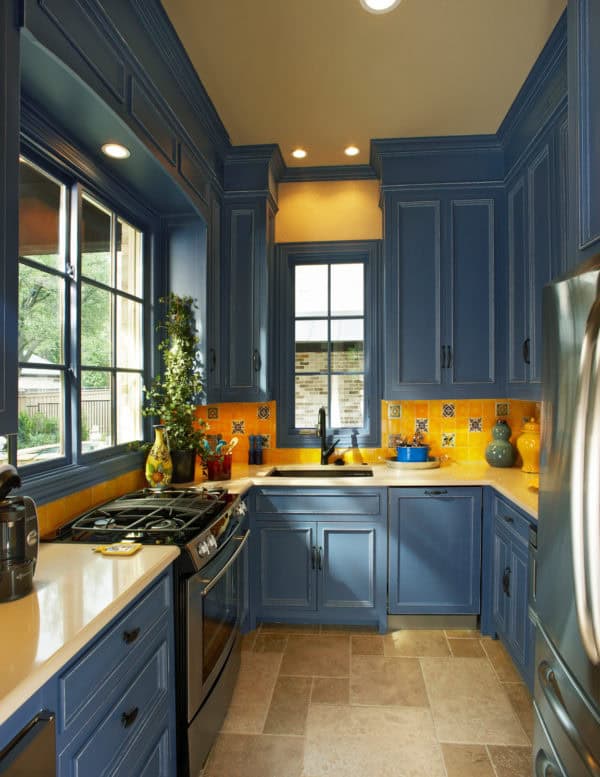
128, 718
131, 636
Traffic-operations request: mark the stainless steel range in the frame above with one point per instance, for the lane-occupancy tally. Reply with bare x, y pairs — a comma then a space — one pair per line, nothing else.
210, 594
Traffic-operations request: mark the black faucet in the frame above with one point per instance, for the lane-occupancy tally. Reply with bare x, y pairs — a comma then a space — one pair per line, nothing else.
322, 432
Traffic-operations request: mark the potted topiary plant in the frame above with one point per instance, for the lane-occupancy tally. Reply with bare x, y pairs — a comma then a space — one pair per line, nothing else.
174, 394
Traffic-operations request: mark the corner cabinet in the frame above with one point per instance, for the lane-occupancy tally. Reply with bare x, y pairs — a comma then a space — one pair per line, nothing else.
319, 555
434, 551
441, 281
9, 217
510, 582
248, 238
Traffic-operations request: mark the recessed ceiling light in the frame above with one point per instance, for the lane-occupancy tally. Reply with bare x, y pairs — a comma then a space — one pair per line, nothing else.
299, 153
351, 151
379, 6
116, 151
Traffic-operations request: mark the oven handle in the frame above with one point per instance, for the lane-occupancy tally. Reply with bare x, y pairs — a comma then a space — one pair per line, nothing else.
211, 583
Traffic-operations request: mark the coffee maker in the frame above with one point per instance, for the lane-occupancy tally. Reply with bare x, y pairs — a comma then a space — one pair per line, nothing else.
19, 538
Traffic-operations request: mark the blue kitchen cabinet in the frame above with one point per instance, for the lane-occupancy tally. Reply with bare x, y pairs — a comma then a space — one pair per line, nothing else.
440, 267
249, 230
434, 550
9, 182
510, 583
319, 555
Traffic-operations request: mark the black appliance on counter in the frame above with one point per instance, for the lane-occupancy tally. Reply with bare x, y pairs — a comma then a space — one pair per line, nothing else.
19, 537
210, 592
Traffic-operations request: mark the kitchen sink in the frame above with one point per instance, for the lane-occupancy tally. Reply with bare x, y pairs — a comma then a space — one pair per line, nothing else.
320, 472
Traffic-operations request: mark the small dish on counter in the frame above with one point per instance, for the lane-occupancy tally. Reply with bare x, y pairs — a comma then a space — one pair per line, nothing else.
431, 463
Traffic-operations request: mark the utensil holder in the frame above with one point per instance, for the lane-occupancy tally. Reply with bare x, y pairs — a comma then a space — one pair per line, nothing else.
219, 467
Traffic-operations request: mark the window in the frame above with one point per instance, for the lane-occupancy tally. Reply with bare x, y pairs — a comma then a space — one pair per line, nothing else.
81, 313
328, 350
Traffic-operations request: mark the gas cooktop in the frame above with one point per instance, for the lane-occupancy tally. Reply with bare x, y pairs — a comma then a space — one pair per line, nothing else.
169, 516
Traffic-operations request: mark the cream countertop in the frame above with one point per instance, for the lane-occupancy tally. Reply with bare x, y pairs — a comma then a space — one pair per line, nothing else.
510, 482
76, 593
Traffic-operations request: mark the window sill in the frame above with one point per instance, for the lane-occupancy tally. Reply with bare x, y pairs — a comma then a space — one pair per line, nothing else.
58, 483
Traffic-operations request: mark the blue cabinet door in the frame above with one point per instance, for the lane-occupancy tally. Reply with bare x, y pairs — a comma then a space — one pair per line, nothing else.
434, 550
287, 568
518, 251
502, 565
9, 182
519, 625
349, 555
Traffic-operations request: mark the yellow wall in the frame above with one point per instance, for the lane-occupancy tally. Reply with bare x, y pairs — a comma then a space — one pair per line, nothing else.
328, 210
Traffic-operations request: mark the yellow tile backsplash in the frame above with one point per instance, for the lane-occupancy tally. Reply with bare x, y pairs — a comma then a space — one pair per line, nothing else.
457, 428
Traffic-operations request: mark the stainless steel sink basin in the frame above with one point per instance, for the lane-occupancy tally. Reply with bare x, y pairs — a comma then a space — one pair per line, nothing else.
321, 472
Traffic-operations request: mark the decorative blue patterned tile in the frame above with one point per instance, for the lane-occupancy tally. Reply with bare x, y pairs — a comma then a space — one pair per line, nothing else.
213, 413
422, 425
502, 409
238, 427
263, 413
448, 439
395, 410
475, 425
266, 440
448, 410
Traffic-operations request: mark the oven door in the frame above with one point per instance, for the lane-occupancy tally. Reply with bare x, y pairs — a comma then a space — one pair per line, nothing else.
215, 608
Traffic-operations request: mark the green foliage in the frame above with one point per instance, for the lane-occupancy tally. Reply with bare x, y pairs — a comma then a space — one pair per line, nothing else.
36, 430
173, 396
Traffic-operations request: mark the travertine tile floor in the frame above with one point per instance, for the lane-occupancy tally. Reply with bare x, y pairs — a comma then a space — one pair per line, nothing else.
319, 702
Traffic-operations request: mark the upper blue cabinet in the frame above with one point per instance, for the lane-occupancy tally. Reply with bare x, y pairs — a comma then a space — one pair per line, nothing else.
9, 177
584, 127
444, 250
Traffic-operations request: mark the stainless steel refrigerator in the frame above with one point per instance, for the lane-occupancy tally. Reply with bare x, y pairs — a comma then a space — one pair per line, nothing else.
567, 671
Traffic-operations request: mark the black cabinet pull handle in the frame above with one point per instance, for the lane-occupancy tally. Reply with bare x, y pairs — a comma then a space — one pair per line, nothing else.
506, 581
508, 518
320, 557
443, 356
128, 718
449, 359
212, 360
435, 493
526, 355
257, 361
131, 636
313, 557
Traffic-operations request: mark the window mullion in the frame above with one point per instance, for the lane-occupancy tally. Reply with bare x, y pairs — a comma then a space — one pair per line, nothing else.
73, 321
113, 383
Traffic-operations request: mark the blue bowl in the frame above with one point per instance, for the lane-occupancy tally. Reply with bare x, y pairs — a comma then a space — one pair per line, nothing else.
420, 453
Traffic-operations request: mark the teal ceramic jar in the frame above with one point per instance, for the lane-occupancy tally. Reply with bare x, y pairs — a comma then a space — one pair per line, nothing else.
500, 453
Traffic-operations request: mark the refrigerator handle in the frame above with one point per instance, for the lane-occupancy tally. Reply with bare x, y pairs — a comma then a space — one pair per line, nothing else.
579, 502
592, 486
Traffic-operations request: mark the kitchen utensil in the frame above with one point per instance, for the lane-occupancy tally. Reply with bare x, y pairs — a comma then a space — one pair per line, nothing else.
19, 538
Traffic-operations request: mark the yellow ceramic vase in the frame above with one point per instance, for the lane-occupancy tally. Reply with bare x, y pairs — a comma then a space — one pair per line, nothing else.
159, 467
528, 446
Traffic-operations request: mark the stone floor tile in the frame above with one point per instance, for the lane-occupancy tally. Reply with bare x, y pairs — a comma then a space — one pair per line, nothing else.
501, 661
270, 643
289, 706
290, 628
466, 648
511, 761
240, 755
335, 629
371, 742
522, 704
468, 703
376, 680
415, 643
366, 645
248, 640
467, 761
252, 695
321, 656
463, 633
330, 690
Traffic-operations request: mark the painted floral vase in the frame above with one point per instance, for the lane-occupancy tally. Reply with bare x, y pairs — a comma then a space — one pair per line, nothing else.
528, 445
499, 452
159, 467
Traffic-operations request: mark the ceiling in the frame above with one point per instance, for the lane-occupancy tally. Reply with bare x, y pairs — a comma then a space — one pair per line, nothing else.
322, 74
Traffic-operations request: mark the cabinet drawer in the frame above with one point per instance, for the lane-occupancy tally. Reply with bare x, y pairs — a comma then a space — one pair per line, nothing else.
512, 519
319, 501
123, 721
118, 645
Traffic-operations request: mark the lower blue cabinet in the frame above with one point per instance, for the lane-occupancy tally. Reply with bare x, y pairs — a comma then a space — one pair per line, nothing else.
327, 567
434, 550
